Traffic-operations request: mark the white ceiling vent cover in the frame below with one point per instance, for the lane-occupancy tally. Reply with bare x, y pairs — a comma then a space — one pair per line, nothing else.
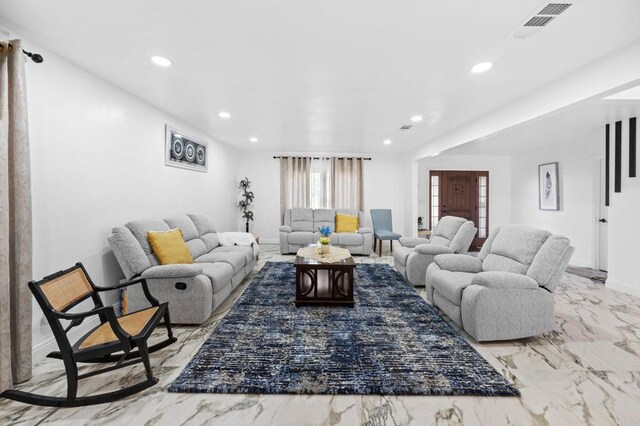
547, 12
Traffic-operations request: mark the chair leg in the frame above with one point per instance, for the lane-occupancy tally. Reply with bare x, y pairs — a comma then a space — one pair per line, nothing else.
375, 244
144, 354
390, 246
380, 249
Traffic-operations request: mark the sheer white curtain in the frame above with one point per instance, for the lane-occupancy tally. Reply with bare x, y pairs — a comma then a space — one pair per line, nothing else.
295, 183
348, 183
320, 174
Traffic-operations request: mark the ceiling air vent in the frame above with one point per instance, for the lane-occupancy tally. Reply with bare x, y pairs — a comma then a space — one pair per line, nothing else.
534, 23
538, 21
406, 127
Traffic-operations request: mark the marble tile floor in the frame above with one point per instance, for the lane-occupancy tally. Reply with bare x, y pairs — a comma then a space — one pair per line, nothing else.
585, 372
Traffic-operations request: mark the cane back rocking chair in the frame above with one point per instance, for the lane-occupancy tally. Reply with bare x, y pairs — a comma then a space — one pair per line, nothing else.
110, 342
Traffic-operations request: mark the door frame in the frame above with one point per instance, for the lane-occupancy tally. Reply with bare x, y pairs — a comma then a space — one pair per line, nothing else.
598, 198
477, 241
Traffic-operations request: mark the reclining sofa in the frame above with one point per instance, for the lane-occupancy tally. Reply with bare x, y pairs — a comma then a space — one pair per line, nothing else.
193, 291
507, 291
301, 228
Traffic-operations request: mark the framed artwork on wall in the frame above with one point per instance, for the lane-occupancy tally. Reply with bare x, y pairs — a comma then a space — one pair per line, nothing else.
185, 151
549, 191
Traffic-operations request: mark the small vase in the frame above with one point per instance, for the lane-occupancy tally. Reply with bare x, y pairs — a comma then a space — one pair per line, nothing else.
323, 249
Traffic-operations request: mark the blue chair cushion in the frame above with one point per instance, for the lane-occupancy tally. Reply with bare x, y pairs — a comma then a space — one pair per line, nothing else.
387, 235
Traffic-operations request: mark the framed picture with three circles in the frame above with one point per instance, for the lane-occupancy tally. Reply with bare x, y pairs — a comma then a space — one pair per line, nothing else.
184, 151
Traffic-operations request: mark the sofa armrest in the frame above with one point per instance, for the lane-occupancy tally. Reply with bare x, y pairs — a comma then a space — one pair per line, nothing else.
173, 271
285, 228
432, 249
364, 230
501, 279
412, 242
459, 263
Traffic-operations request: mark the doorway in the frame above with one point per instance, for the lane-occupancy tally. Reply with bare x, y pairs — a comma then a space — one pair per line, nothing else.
603, 220
461, 193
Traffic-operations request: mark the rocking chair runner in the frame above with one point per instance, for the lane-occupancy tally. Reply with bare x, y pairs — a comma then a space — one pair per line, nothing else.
58, 293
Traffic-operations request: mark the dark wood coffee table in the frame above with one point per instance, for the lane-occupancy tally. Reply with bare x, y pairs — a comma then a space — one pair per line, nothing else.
320, 283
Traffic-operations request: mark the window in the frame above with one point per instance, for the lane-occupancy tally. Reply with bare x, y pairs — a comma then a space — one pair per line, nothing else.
482, 207
320, 184
435, 206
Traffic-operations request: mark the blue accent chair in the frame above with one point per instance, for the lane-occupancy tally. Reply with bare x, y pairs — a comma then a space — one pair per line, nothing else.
383, 229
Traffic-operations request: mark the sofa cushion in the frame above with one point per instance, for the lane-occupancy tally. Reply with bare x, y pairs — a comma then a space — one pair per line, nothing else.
302, 238
210, 240
324, 217
519, 243
170, 247
197, 247
246, 251
446, 229
219, 273
202, 224
130, 250
346, 223
495, 262
185, 224
302, 220
347, 239
140, 229
236, 260
450, 284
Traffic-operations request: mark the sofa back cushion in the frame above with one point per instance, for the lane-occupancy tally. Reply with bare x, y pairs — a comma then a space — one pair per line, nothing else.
512, 248
190, 233
446, 230
302, 220
140, 229
128, 252
324, 217
206, 231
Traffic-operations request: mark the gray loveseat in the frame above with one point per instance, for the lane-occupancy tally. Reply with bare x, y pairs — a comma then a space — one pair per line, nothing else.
301, 228
193, 291
507, 291
452, 235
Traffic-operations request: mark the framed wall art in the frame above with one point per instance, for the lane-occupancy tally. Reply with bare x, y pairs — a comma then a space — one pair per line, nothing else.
549, 191
185, 151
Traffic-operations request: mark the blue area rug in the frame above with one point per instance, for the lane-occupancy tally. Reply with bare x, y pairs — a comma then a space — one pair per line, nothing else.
391, 343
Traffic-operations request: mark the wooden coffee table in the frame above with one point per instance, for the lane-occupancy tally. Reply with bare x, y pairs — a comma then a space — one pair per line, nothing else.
320, 283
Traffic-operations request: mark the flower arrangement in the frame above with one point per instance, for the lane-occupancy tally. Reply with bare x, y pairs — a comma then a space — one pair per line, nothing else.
325, 232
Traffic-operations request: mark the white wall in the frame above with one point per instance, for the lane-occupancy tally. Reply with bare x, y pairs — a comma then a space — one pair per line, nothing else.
624, 227
97, 162
578, 183
384, 179
499, 182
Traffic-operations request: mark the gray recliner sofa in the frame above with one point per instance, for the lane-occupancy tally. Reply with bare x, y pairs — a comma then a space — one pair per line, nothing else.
193, 291
301, 228
507, 291
452, 234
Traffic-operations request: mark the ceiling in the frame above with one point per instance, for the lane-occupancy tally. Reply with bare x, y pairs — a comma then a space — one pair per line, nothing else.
575, 123
335, 76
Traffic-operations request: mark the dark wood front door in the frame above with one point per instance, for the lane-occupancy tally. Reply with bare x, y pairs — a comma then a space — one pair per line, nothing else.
461, 193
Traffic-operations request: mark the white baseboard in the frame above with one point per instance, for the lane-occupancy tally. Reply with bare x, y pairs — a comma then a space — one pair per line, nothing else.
580, 263
631, 289
42, 349
269, 241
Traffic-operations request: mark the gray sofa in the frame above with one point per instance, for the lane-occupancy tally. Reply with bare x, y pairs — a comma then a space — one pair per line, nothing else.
451, 235
193, 291
507, 291
301, 228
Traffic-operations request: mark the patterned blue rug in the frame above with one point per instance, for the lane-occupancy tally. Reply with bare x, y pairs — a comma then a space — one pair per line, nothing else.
391, 343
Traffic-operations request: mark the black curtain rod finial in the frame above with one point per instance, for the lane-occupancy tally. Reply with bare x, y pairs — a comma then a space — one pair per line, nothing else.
35, 57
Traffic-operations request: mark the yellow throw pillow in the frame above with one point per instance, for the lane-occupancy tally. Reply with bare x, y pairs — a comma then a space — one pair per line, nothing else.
170, 247
346, 223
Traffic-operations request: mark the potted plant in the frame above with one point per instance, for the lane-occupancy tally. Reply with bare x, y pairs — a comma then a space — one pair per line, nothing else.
325, 239
247, 199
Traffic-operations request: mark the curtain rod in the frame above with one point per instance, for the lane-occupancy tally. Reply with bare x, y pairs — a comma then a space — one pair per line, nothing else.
318, 158
35, 57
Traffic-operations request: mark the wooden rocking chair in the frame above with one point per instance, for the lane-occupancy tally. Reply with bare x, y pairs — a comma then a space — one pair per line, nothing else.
109, 342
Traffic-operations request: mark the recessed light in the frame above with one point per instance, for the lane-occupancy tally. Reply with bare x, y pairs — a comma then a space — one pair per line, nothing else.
481, 67
416, 118
254, 140
161, 61
387, 142
224, 115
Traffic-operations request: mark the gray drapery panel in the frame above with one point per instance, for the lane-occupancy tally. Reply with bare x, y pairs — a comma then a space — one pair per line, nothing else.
15, 220
348, 183
295, 183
